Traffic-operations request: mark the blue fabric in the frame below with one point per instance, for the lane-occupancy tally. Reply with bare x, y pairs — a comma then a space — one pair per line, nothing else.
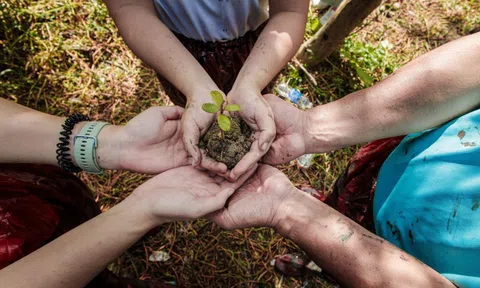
212, 20
427, 199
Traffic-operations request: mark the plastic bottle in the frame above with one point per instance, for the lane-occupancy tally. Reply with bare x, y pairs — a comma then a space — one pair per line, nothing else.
295, 96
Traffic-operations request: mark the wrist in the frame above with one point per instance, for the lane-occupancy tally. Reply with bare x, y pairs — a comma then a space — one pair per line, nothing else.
108, 148
134, 214
319, 131
201, 94
295, 213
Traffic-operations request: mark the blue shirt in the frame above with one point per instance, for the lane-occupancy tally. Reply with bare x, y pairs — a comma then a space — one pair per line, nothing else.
427, 199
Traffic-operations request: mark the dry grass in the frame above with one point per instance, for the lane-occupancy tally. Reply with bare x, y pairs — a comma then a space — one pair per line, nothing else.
61, 56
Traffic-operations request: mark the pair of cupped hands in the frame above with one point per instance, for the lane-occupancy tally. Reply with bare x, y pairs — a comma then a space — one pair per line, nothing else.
189, 185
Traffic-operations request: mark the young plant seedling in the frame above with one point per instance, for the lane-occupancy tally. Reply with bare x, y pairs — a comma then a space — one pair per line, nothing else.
212, 108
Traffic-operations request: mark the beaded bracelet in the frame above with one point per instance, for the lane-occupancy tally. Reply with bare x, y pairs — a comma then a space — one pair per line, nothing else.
63, 155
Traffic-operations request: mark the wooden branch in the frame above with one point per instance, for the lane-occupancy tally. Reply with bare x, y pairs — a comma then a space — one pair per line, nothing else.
348, 15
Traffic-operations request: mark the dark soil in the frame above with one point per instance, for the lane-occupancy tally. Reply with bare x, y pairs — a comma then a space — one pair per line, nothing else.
234, 144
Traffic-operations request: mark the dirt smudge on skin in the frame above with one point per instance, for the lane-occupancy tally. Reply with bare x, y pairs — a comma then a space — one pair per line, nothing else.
346, 237
375, 238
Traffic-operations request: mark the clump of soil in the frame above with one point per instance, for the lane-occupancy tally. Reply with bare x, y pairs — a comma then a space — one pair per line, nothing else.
234, 144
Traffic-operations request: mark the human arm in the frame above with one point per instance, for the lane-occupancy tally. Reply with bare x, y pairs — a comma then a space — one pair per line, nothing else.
276, 45
150, 143
160, 49
350, 253
76, 257
427, 92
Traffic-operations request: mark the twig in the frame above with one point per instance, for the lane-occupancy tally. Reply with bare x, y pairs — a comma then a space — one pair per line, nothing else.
309, 76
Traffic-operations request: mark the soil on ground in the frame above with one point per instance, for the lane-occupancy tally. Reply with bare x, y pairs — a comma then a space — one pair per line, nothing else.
230, 148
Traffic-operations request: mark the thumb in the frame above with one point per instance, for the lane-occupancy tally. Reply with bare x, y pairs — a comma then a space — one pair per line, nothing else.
172, 112
266, 125
191, 134
218, 201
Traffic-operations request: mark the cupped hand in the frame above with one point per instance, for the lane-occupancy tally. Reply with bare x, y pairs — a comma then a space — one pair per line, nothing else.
184, 193
150, 143
290, 142
195, 122
260, 202
258, 115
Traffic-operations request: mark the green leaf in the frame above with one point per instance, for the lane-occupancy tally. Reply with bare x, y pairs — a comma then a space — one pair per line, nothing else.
210, 108
315, 25
223, 122
217, 97
367, 79
232, 107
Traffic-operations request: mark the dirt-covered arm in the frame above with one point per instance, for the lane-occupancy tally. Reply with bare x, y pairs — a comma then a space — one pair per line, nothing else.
427, 92
353, 255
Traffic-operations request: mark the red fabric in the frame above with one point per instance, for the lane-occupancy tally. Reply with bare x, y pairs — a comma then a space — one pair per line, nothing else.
39, 203
353, 191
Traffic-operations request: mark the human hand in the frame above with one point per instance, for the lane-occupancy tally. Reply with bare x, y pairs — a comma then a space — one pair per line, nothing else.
150, 143
258, 115
260, 202
290, 142
184, 193
195, 122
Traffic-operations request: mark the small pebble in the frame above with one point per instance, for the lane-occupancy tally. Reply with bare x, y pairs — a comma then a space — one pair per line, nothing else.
159, 256
396, 5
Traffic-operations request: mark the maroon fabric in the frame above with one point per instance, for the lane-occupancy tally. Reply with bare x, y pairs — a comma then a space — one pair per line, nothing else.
39, 203
353, 191
221, 60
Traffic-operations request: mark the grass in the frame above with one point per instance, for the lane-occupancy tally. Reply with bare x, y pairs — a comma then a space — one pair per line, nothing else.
61, 56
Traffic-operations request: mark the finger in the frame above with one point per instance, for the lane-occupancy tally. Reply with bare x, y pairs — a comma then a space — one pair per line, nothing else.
266, 125
274, 100
239, 182
218, 201
191, 134
247, 162
172, 112
212, 165
219, 179
220, 217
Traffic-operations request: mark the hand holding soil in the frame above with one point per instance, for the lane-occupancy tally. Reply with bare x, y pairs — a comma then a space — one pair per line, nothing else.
229, 138
195, 122
258, 115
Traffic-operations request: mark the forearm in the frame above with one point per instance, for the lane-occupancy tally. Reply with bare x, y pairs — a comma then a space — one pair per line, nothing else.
30, 136
76, 257
26, 135
158, 47
276, 45
429, 91
349, 252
